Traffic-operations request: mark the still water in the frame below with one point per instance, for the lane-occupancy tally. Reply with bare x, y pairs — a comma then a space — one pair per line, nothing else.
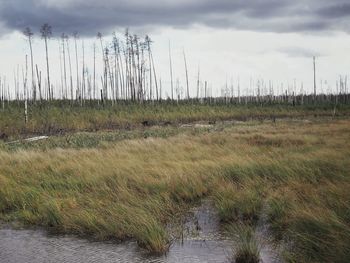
201, 241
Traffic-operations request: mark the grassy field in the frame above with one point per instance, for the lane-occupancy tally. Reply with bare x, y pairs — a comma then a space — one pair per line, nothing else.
130, 183
61, 117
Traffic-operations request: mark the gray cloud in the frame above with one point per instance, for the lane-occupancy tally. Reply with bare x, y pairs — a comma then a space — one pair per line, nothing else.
339, 10
90, 16
3, 30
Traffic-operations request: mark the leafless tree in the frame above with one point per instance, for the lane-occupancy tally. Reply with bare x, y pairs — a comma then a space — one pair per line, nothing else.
25, 78
70, 69
152, 67
75, 35
314, 60
64, 38
198, 81
46, 33
188, 89
171, 74
29, 34
104, 81
94, 81
38, 74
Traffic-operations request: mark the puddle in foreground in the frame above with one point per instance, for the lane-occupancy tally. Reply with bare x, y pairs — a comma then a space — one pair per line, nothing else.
203, 242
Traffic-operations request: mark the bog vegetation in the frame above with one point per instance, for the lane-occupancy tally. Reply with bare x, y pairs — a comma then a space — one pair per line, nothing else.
125, 189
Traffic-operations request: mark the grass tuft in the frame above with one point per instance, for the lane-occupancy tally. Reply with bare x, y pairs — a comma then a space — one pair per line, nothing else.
247, 247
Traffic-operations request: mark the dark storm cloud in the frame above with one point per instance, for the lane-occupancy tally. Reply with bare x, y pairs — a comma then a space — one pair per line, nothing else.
335, 10
90, 16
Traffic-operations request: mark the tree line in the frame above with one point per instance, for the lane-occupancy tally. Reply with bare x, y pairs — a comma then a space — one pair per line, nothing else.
128, 70
129, 74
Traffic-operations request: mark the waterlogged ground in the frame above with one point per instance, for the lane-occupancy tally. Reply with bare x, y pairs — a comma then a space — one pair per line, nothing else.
200, 240
291, 175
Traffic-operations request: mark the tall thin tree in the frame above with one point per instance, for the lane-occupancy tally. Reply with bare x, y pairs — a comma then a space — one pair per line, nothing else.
75, 35
63, 38
187, 85
314, 60
29, 34
70, 69
94, 81
46, 33
171, 73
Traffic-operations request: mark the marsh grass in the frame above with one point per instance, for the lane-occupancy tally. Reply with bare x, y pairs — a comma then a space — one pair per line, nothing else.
247, 248
132, 188
60, 117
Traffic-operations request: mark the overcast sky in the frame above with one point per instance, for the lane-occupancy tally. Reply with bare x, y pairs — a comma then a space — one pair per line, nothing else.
229, 39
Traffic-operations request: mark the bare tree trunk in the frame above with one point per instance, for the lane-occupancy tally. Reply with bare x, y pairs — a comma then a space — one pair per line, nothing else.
127, 83
94, 72
150, 74
121, 71
314, 60
155, 76
47, 66
70, 71
138, 68
160, 89
59, 47
198, 82
171, 74
188, 89
116, 67
32, 66
25, 77
83, 76
77, 64
239, 92
64, 65
39, 81
2, 95
46, 33
109, 72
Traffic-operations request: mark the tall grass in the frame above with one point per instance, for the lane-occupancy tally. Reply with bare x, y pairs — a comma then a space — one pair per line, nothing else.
58, 117
132, 188
248, 248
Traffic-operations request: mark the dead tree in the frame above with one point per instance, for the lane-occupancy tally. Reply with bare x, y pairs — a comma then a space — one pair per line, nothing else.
187, 85
198, 82
152, 67
148, 43
94, 81
82, 101
75, 35
29, 34
63, 38
104, 83
116, 66
46, 33
314, 60
70, 69
38, 74
61, 71
25, 78
171, 74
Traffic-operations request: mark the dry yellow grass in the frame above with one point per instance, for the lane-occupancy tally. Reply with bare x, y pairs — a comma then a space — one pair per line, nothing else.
131, 189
